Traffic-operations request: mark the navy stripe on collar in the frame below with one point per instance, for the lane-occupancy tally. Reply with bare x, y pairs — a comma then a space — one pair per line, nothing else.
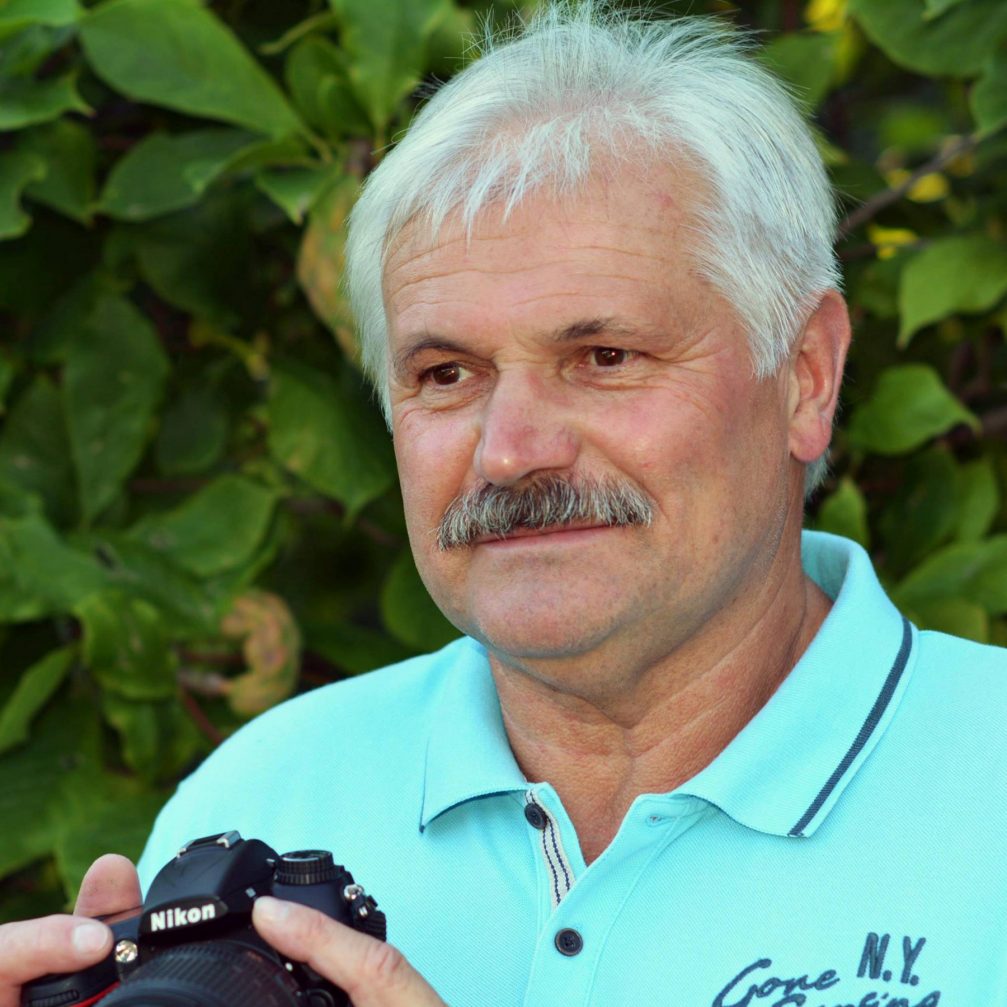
877, 711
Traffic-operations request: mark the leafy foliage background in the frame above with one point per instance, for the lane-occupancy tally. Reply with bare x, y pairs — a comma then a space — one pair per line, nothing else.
198, 507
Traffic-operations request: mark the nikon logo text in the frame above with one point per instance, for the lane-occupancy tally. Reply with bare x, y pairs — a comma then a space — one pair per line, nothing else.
168, 919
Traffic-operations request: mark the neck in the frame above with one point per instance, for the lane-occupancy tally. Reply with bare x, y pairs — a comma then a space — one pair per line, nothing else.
652, 727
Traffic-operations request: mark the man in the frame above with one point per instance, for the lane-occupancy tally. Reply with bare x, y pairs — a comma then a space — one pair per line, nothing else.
669, 764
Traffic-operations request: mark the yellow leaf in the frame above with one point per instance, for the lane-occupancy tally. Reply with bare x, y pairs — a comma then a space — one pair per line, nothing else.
825, 15
896, 176
271, 648
929, 188
888, 240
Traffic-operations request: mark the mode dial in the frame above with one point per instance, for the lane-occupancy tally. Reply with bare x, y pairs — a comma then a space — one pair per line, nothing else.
306, 867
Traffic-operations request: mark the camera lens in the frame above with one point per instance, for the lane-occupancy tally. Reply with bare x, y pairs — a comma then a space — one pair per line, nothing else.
214, 974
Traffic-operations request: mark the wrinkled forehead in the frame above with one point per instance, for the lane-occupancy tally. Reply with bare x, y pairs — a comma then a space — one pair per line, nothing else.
658, 200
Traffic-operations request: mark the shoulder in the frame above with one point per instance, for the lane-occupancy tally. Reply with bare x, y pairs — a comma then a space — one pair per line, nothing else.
389, 709
955, 706
952, 667
360, 741
398, 699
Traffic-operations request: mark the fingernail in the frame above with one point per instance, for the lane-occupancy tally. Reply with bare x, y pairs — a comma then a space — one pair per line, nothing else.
89, 937
272, 910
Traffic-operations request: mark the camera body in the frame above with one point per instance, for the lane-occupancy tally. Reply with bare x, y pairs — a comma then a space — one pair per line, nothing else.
193, 944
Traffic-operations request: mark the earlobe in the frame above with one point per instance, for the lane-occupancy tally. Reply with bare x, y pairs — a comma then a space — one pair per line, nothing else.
816, 375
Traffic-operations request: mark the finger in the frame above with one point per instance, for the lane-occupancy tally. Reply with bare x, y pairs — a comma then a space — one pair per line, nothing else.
111, 885
373, 973
32, 948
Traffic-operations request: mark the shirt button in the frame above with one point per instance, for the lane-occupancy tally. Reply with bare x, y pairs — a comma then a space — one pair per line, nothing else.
569, 942
535, 815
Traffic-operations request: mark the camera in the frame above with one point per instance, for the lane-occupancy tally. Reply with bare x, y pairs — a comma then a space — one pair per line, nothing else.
193, 945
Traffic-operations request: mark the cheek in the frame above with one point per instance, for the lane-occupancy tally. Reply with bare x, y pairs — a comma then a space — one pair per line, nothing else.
433, 455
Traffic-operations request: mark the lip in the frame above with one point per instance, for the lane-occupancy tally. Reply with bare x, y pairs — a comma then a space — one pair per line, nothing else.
531, 536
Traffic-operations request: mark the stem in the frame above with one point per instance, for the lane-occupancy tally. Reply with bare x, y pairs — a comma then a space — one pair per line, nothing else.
203, 723
882, 200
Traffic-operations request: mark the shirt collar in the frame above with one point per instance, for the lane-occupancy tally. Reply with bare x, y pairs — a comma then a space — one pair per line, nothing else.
786, 769
468, 754
789, 765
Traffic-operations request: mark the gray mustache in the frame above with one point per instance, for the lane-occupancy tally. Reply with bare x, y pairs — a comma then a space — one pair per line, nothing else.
547, 502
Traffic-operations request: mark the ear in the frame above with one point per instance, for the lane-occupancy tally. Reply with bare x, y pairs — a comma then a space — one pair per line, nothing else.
816, 374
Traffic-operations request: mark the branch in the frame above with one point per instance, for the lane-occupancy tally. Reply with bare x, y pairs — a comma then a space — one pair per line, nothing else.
206, 726
881, 200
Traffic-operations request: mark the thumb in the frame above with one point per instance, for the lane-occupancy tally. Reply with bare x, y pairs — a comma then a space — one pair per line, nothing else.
371, 972
110, 886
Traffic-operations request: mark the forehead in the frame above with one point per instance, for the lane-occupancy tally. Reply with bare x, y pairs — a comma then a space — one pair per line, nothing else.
621, 232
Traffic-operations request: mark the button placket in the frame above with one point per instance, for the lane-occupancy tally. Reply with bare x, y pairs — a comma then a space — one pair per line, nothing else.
559, 869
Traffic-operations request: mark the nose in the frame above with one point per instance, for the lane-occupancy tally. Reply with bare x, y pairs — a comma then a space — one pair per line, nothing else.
525, 430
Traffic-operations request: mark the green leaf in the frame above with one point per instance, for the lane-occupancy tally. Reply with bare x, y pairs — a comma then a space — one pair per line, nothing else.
158, 739
126, 646
177, 54
39, 780
17, 170
924, 511
187, 607
955, 616
8, 371
214, 530
68, 151
18, 14
909, 406
951, 275
329, 435
24, 50
845, 513
40, 574
955, 44
43, 264
322, 21
29, 102
199, 259
32, 692
112, 815
409, 611
317, 74
913, 127
193, 432
935, 8
804, 60
159, 174
973, 571
979, 500
294, 190
387, 49
113, 381
354, 649
988, 98
35, 449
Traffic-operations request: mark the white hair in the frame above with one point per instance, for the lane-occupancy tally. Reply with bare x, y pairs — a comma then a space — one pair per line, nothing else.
583, 84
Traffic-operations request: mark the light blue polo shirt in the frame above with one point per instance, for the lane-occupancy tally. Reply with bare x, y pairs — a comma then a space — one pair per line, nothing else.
847, 849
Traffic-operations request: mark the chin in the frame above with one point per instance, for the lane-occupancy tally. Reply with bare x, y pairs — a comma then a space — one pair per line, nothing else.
523, 639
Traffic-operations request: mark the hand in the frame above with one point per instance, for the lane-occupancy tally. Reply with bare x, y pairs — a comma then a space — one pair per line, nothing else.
32, 948
373, 973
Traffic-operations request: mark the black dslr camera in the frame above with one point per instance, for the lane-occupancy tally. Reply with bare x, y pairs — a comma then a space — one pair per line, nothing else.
193, 945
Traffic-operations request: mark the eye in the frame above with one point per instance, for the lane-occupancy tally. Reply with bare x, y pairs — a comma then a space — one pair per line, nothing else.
444, 374
608, 356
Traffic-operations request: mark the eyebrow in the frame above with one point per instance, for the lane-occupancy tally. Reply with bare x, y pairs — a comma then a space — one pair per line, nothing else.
586, 328
589, 327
